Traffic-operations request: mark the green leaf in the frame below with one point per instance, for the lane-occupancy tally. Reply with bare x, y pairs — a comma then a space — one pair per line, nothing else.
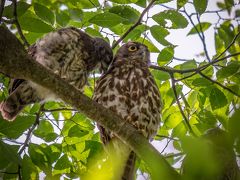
17, 127
76, 14
163, 1
93, 32
29, 170
62, 18
76, 131
217, 99
204, 27
232, 68
124, 1
181, 3
34, 25
188, 65
200, 5
159, 33
177, 19
85, 4
107, 19
22, 7
199, 82
37, 156
172, 117
8, 155
160, 75
45, 131
150, 45
63, 164
44, 13
95, 148
234, 124
237, 13
130, 14
229, 4
165, 56
136, 33
141, 3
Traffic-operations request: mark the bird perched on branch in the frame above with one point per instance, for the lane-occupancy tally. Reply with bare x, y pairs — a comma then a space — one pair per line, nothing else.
70, 53
129, 89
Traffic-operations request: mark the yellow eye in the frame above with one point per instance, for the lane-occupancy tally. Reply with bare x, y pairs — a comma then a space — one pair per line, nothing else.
132, 48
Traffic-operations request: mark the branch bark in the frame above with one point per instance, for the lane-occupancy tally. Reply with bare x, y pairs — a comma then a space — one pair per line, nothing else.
15, 62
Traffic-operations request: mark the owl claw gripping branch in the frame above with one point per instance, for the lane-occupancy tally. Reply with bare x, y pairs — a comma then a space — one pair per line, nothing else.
68, 52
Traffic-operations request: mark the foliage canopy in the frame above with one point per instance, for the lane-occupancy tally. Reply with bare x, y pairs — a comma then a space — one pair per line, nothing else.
198, 94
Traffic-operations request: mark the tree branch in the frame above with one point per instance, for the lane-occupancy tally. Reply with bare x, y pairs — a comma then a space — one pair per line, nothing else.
194, 70
133, 26
2, 4
14, 61
179, 106
29, 134
17, 24
219, 84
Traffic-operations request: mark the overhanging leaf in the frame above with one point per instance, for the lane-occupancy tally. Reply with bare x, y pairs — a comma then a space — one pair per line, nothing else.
34, 25
202, 26
176, 18
165, 56
44, 13
159, 33
217, 99
130, 14
17, 127
107, 19
200, 5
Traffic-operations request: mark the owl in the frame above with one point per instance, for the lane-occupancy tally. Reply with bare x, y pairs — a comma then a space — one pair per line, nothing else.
70, 53
128, 89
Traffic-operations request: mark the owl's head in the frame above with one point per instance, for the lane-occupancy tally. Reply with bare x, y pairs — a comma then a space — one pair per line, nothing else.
104, 53
134, 51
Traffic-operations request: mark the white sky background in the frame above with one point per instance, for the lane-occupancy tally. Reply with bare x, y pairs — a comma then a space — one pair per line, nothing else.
188, 47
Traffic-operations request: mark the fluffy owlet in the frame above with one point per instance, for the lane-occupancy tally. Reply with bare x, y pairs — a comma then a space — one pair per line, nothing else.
68, 52
128, 88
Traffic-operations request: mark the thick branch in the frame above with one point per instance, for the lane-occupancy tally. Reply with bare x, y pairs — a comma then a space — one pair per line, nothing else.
135, 25
2, 4
14, 61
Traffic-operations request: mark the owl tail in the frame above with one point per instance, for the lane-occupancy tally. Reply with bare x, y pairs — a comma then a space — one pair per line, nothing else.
23, 95
129, 170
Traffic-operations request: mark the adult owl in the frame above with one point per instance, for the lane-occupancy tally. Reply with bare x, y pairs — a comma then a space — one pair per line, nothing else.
68, 52
128, 88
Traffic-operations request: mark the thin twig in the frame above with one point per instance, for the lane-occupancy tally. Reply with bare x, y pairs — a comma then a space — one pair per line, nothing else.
174, 155
179, 105
19, 172
133, 26
165, 147
2, 4
18, 25
171, 138
29, 134
58, 109
203, 39
219, 84
233, 41
200, 68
